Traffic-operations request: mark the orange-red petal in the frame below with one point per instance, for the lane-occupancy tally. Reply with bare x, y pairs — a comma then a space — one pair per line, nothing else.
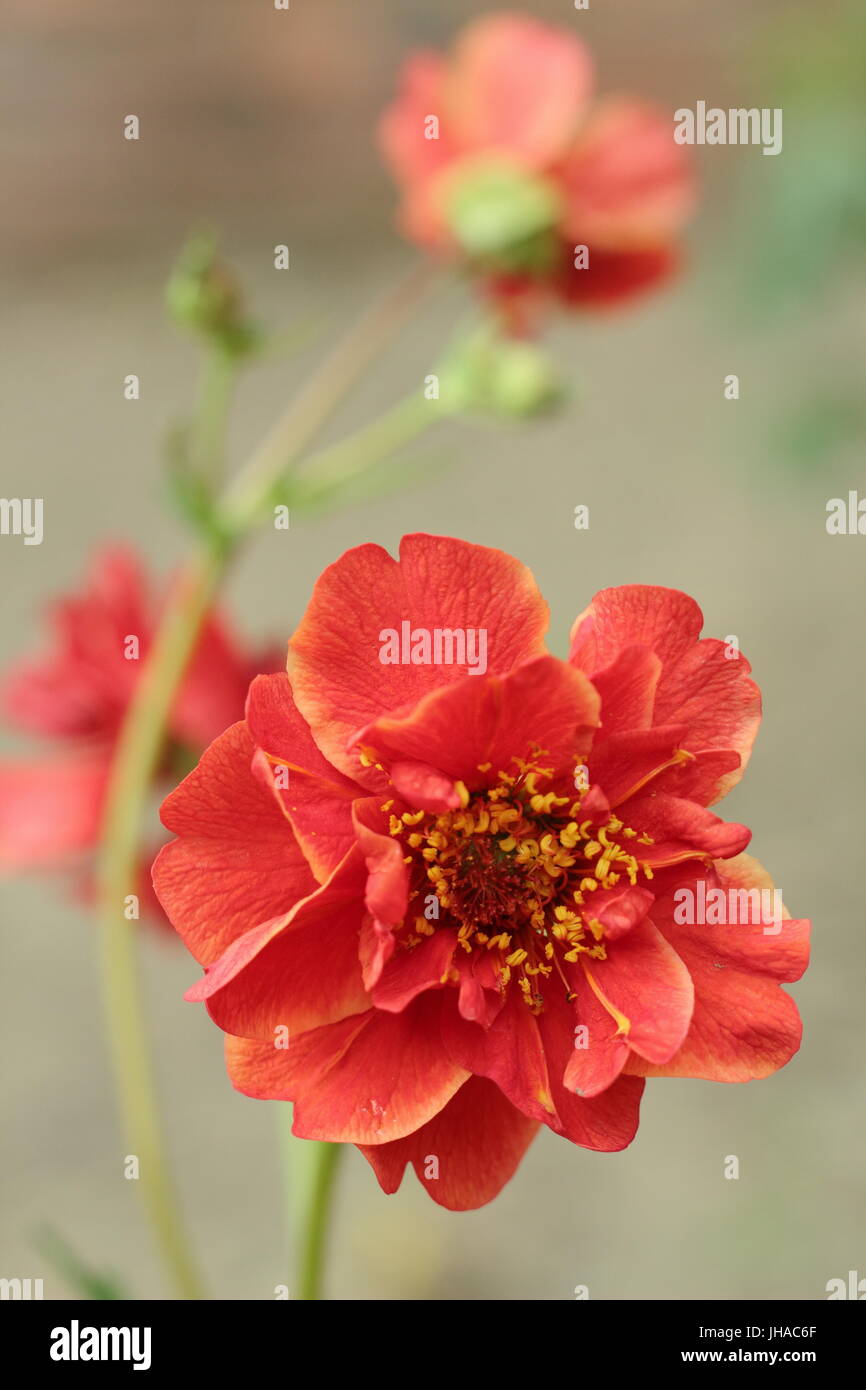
486, 721
236, 862
509, 1052
407, 973
367, 1080
318, 798
744, 1025
386, 892
703, 684
339, 682
466, 1154
273, 977
647, 990
606, 1121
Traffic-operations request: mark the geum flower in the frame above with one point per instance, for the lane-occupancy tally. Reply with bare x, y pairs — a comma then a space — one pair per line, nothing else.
76, 696
407, 912
507, 166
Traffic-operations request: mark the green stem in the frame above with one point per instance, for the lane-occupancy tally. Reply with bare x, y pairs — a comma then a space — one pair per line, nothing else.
137, 757
329, 472
319, 1174
210, 418
308, 1173
254, 485
135, 763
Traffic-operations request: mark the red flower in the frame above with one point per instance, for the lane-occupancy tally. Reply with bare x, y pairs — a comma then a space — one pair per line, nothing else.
437, 909
504, 162
77, 695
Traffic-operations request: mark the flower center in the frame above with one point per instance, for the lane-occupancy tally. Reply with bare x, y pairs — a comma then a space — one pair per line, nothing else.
514, 868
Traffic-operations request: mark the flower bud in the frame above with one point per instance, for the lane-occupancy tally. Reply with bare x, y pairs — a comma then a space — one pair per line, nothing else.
204, 295
501, 377
502, 217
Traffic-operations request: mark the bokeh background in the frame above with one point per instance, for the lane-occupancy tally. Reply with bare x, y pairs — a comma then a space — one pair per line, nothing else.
261, 124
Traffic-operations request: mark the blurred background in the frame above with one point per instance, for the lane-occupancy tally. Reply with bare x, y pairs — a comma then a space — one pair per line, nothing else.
261, 124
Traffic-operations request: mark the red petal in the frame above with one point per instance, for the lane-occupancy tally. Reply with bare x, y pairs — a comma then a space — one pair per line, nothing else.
628, 185
423, 788
298, 971
598, 1054
491, 720
718, 701
665, 620
756, 946
618, 909
518, 86
509, 1052
466, 1154
387, 888
744, 1026
611, 278
647, 990
703, 779
339, 682
628, 689
607, 1121
626, 762
409, 972
318, 799
366, 1080
411, 155
84, 684
377, 945
698, 685
51, 810
479, 1000
680, 829
214, 688
237, 863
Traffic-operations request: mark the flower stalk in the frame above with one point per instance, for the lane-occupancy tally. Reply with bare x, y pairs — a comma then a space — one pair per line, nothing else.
309, 1170
135, 763
242, 507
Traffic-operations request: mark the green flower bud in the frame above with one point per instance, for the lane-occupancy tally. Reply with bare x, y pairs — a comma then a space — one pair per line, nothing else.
502, 217
204, 295
498, 377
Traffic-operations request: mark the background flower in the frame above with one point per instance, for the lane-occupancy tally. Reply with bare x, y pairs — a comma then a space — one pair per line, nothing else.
75, 696
507, 164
